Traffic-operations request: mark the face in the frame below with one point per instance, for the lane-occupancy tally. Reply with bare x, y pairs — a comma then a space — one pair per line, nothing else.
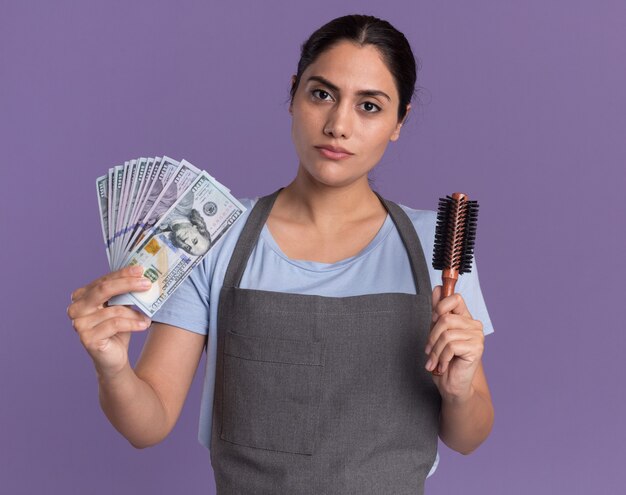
187, 237
345, 112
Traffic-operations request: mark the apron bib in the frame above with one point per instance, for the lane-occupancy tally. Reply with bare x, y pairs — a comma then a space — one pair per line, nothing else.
323, 395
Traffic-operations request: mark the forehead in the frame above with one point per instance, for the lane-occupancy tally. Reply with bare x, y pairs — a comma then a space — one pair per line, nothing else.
352, 67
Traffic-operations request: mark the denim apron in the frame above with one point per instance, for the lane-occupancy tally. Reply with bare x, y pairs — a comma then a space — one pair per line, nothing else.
323, 395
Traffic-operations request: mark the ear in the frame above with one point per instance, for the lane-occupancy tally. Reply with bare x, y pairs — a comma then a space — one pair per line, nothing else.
396, 133
293, 82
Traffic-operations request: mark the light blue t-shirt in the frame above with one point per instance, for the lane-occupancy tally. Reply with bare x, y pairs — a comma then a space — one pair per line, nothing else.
382, 266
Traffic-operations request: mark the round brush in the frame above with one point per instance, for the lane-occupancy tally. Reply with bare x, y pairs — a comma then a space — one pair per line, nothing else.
454, 241
455, 235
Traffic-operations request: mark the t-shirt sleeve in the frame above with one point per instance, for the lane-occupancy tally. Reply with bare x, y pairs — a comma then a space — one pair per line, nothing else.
188, 306
468, 286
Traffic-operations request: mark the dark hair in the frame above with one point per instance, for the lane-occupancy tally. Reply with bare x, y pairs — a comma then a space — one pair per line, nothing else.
365, 30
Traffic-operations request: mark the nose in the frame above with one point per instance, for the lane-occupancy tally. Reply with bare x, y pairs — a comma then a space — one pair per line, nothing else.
339, 122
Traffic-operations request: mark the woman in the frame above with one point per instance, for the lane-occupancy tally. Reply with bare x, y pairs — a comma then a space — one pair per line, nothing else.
332, 367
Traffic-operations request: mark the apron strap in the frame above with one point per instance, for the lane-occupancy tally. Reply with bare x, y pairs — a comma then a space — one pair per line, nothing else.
261, 210
248, 238
411, 242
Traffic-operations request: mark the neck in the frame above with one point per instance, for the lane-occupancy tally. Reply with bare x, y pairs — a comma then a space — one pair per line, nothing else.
309, 201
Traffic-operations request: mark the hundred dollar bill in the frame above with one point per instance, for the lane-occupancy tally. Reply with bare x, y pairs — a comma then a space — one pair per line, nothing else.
133, 195
116, 187
109, 206
121, 199
162, 194
102, 186
127, 174
180, 239
185, 174
153, 171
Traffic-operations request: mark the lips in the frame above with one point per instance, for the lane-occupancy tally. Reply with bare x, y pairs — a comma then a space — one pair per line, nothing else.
333, 152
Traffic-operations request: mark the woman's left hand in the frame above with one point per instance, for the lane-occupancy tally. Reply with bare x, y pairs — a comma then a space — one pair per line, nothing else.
455, 345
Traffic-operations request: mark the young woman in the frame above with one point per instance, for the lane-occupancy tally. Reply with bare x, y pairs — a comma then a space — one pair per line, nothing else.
333, 363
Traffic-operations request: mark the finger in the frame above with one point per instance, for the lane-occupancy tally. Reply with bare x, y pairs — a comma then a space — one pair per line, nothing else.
452, 304
436, 297
110, 327
95, 297
127, 271
445, 340
449, 322
466, 350
452, 336
87, 323
77, 294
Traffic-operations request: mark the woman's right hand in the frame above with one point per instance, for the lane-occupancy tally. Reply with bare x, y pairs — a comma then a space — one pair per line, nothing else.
105, 330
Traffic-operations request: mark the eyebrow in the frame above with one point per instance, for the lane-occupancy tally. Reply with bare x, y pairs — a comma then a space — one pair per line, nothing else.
362, 92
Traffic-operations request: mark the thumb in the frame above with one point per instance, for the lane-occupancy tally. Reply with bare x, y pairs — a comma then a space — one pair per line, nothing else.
437, 291
437, 295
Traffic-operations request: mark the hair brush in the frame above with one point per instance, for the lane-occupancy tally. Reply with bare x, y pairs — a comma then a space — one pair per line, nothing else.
455, 235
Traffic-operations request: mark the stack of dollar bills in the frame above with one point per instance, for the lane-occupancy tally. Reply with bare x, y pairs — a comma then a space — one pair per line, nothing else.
164, 215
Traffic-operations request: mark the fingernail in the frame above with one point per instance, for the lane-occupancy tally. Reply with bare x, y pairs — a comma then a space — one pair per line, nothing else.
429, 364
428, 349
145, 283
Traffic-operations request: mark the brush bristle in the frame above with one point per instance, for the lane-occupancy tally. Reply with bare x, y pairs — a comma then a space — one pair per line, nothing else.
455, 234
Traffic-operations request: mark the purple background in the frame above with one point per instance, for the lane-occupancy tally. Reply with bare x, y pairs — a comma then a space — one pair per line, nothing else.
522, 106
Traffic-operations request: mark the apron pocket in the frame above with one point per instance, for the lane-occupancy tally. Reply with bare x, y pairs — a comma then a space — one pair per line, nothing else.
272, 392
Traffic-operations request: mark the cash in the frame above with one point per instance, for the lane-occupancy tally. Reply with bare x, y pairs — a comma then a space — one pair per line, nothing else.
165, 216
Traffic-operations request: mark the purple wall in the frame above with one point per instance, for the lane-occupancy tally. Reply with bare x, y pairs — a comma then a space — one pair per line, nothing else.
523, 107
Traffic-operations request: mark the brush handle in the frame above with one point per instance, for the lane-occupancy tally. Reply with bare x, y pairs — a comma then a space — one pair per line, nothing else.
449, 277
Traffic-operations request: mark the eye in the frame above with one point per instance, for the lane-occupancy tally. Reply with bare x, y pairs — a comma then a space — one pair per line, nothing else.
370, 107
321, 94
